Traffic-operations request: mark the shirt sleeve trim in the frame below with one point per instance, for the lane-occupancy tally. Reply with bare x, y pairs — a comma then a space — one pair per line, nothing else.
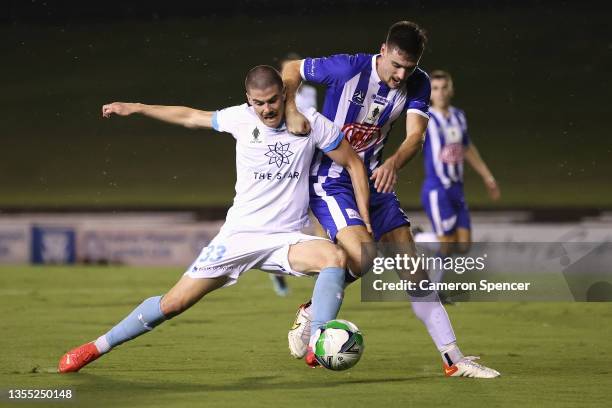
333, 145
215, 121
302, 69
419, 112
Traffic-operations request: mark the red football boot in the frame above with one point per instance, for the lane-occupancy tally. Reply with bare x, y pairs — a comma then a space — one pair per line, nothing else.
78, 358
310, 359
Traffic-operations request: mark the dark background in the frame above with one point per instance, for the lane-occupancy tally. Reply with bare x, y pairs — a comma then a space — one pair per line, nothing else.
533, 78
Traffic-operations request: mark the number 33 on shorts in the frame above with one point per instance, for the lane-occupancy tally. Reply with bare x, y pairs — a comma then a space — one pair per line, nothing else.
212, 253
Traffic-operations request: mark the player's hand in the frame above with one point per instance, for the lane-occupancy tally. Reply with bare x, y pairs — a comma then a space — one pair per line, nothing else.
118, 108
492, 188
297, 123
369, 228
385, 177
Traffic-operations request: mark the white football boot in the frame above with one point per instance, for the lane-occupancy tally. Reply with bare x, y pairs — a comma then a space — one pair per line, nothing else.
299, 334
468, 367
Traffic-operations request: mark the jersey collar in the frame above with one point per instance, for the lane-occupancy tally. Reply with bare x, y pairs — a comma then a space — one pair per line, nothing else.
374, 71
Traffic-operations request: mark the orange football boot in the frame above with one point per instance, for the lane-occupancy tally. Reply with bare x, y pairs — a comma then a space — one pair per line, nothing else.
78, 358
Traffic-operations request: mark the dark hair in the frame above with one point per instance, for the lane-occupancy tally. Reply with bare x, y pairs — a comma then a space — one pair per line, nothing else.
262, 77
408, 37
439, 74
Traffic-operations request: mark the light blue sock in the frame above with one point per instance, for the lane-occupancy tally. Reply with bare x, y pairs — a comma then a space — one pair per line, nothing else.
327, 296
142, 319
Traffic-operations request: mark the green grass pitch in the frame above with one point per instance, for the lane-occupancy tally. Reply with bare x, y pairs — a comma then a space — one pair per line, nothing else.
230, 349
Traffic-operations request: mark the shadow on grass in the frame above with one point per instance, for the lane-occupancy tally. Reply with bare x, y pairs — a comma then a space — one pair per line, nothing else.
257, 383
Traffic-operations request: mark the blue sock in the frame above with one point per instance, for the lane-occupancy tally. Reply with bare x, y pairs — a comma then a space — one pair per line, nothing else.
327, 297
142, 319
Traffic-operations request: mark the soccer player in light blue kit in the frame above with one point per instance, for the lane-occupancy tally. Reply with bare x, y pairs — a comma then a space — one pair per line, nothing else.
447, 144
365, 94
262, 228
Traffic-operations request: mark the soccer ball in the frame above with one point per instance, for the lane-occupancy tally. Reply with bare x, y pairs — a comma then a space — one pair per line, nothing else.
339, 345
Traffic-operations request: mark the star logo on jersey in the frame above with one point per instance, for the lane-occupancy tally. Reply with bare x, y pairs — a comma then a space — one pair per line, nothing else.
279, 153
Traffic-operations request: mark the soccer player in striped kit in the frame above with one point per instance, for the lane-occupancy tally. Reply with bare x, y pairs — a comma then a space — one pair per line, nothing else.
365, 94
447, 145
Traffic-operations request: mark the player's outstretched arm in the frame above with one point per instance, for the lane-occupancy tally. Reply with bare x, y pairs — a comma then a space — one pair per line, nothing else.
296, 122
345, 156
385, 176
472, 156
178, 115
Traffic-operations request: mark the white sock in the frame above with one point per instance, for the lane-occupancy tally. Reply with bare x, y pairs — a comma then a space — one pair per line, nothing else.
102, 344
433, 315
451, 354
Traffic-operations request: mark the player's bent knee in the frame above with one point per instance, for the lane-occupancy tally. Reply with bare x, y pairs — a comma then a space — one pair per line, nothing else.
333, 257
172, 306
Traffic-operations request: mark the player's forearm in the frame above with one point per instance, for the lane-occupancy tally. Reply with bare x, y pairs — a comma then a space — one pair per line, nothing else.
406, 151
359, 179
178, 115
292, 78
472, 156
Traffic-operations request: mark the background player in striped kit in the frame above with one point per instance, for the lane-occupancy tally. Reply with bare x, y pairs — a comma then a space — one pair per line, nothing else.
447, 145
365, 94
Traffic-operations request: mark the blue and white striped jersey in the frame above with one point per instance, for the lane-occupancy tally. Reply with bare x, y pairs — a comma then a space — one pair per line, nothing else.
363, 106
445, 140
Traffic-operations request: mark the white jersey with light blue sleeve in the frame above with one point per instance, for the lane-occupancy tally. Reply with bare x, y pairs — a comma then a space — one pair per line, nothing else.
272, 169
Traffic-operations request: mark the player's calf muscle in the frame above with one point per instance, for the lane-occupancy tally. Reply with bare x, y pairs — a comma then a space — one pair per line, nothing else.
351, 239
186, 293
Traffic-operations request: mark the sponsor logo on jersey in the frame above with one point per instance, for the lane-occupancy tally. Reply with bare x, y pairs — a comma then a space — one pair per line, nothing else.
361, 136
381, 100
258, 175
358, 97
452, 153
279, 153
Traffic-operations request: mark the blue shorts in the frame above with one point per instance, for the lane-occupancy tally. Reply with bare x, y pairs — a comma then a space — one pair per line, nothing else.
335, 208
446, 208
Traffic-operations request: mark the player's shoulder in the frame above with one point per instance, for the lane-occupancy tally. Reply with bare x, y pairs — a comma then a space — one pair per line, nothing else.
236, 111
311, 114
341, 66
318, 122
457, 112
351, 60
418, 80
230, 118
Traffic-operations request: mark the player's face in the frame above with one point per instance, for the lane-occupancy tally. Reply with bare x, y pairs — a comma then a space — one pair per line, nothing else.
269, 104
395, 66
441, 92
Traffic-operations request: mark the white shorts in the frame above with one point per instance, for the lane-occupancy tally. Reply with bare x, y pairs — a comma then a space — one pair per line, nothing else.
231, 254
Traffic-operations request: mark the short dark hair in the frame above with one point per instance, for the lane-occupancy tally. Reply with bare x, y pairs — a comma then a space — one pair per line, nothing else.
408, 37
262, 77
439, 74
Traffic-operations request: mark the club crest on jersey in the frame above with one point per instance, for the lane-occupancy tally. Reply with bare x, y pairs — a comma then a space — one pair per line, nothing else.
279, 153
358, 97
256, 136
452, 134
361, 136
